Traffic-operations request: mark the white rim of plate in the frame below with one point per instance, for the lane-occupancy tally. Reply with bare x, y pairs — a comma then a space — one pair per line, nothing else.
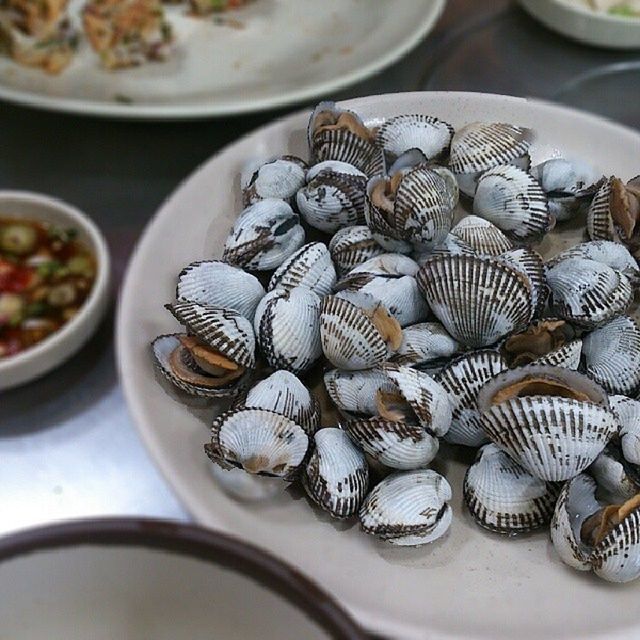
275, 101
82, 221
201, 513
597, 15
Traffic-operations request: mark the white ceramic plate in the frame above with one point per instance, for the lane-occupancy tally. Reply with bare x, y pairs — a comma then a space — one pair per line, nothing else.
470, 585
590, 27
286, 51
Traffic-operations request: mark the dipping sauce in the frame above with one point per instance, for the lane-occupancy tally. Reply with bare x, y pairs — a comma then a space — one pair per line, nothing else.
45, 276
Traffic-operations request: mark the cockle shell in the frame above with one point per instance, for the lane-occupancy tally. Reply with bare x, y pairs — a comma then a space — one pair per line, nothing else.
352, 246
568, 183
333, 196
396, 445
416, 205
218, 284
551, 420
279, 178
452, 245
503, 497
336, 476
478, 299
355, 392
387, 264
283, 393
482, 236
480, 146
310, 266
628, 414
530, 263
224, 330
610, 253
287, 324
611, 471
165, 346
408, 508
549, 341
612, 356
264, 236
399, 295
414, 131
258, 441
586, 292
423, 343
588, 534
355, 337
514, 201
338, 134
463, 378
428, 400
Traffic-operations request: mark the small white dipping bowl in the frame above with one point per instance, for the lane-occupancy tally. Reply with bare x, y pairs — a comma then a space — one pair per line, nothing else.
61, 345
589, 27
126, 579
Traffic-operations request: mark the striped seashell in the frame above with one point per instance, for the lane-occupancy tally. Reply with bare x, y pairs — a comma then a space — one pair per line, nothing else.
287, 324
452, 245
589, 534
479, 146
568, 184
613, 474
387, 264
264, 236
612, 356
224, 330
259, 442
396, 445
503, 497
389, 244
399, 295
628, 414
352, 246
423, 343
333, 196
218, 284
278, 178
336, 477
530, 263
586, 292
408, 508
599, 219
179, 367
427, 399
310, 266
551, 420
575, 503
479, 300
283, 393
462, 379
245, 486
355, 392
549, 341
610, 253
481, 236
357, 337
415, 205
514, 201
338, 134
414, 131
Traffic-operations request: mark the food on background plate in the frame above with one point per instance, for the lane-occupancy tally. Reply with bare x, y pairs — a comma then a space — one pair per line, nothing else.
45, 277
431, 316
127, 33
623, 8
38, 34
204, 7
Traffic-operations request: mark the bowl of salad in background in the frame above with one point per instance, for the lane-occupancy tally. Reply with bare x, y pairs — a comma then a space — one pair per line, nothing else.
613, 24
54, 284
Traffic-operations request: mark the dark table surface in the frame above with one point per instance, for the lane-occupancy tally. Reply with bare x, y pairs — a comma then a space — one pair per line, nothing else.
67, 445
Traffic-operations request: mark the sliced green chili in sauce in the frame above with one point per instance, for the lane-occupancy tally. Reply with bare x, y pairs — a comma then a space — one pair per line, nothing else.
45, 277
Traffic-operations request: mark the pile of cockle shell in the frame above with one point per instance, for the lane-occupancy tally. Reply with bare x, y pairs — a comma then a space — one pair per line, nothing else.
431, 317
